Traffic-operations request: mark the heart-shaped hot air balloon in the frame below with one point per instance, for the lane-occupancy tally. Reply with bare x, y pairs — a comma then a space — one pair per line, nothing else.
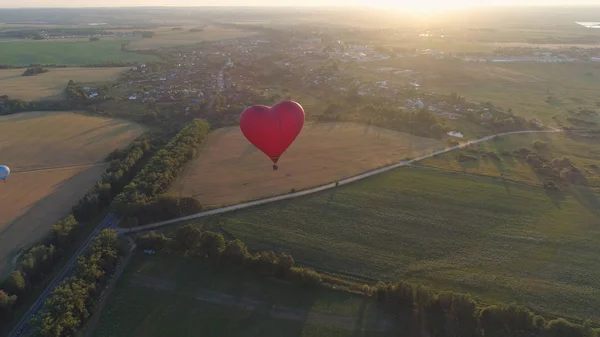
272, 129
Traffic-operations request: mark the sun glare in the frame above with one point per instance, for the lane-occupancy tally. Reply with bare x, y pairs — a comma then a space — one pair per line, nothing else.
421, 5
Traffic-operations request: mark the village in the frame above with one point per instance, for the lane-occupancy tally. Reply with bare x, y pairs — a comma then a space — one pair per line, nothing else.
225, 76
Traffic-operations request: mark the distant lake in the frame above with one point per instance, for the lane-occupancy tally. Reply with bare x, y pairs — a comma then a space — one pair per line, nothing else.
589, 24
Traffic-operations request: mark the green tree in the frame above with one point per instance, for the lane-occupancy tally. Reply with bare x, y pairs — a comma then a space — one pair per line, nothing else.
211, 244
235, 252
64, 231
187, 239
15, 283
6, 304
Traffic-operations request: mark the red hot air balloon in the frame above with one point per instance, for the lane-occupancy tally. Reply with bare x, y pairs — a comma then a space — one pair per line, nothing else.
272, 129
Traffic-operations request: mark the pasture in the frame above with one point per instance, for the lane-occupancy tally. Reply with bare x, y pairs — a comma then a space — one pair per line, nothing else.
228, 169
50, 85
69, 53
168, 296
540, 90
499, 240
166, 37
55, 158
582, 153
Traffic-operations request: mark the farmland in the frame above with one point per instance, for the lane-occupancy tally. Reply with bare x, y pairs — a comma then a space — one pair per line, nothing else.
158, 296
499, 240
582, 153
50, 85
166, 37
228, 169
69, 53
55, 159
532, 90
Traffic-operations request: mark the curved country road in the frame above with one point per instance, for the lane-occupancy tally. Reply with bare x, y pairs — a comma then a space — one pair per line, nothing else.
323, 187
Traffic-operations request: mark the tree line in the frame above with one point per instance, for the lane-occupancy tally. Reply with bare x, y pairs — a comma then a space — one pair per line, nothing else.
34, 265
124, 164
10, 106
142, 200
416, 310
40, 260
73, 301
419, 122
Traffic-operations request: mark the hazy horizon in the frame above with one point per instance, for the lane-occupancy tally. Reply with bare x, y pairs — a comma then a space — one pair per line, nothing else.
395, 4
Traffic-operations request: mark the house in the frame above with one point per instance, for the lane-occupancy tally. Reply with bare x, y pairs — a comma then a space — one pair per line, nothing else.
455, 134
149, 251
132, 97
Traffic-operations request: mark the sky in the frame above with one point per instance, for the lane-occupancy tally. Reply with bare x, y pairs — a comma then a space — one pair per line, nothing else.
422, 5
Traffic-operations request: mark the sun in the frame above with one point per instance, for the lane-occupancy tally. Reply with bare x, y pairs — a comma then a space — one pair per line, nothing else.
421, 5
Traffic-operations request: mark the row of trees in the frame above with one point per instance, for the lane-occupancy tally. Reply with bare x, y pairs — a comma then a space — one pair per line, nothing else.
35, 264
414, 308
141, 200
124, 164
73, 301
558, 169
12, 105
34, 71
420, 122
190, 241
452, 314
39, 261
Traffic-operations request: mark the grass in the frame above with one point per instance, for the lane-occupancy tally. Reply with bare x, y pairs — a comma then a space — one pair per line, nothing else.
524, 87
159, 296
500, 241
165, 38
50, 85
228, 169
55, 158
583, 153
70, 53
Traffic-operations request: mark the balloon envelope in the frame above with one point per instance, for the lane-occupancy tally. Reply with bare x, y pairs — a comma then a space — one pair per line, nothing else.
272, 129
4, 172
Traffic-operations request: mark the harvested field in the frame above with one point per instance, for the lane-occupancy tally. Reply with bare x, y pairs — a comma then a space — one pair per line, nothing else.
50, 85
31, 201
228, 169
55, 158
38, 140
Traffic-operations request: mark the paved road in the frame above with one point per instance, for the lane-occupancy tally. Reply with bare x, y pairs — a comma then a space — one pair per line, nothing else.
24, 328
321, 188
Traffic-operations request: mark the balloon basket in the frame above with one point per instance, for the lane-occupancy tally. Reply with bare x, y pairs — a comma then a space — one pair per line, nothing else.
275, 167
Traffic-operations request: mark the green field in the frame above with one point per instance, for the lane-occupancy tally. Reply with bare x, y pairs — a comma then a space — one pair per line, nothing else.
70, 53
522, 87
168, 296
583, 154
498, 240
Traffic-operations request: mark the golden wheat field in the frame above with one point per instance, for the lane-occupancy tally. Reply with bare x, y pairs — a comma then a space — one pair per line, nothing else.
33, 201
55, 158
50, 85
227, 169
36, 140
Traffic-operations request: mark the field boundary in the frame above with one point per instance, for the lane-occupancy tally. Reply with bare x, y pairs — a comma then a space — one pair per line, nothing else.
323, 187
